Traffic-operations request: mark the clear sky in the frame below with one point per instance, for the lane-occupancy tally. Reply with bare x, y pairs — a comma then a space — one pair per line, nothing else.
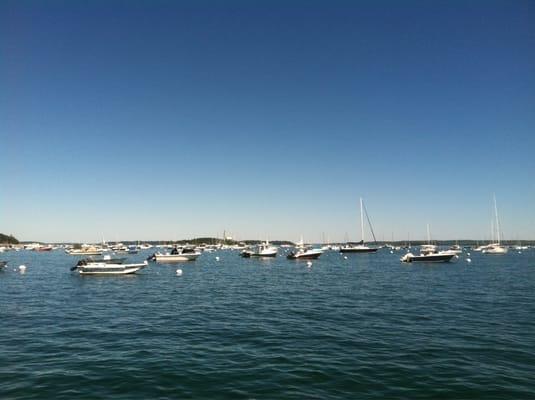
175, 119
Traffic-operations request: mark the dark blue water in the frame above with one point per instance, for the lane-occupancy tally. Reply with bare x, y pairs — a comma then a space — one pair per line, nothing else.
366, 327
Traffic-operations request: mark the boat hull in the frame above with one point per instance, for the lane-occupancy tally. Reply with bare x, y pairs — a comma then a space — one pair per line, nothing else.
85, 253
311, 256
430, 258
43, 249
358, 250
247, 254
110, 269
495, 250
166, 258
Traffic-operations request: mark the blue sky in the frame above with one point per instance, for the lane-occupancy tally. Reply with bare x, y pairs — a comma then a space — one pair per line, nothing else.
169, 119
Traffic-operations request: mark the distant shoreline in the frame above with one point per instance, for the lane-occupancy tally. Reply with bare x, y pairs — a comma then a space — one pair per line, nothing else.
208, 241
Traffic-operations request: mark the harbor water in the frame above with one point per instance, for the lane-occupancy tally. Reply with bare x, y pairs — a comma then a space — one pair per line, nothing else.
357, 326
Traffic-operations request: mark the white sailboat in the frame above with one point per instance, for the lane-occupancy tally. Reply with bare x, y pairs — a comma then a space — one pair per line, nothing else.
496, 248
360, 247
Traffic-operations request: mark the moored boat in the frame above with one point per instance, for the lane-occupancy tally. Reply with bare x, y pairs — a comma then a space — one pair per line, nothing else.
360, 247
303, 252
481, 248
85, 251
43, 248
429, 253
176, 255
357, 248
455, 249
261, 250
428, 257
496, 248
101, 268
132, 249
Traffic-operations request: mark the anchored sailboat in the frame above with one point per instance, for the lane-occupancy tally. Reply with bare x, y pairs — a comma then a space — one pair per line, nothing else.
360, 247
496, 248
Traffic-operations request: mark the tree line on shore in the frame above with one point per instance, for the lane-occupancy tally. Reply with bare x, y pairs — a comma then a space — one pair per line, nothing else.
8, 239
11, 240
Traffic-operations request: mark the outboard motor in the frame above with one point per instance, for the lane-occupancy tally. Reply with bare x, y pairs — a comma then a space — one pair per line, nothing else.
79, 264
407, 258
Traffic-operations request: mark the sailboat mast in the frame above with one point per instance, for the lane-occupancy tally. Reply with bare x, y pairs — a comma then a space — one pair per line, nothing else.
428, 235
497, 220
361, 222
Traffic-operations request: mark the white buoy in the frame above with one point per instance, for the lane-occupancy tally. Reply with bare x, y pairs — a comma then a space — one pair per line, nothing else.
391, 252
309, 264
22, 269
179, 272
217, 258
468, 254
345, 257
468, 260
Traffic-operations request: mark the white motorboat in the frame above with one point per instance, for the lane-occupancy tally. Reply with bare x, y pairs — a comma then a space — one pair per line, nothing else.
261, 250
360, 247
429, 253
304, 252
442, 256
176, 255
85, 251
455, 249
85, 267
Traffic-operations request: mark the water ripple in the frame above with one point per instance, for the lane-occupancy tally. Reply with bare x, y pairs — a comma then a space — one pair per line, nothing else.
365, 327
